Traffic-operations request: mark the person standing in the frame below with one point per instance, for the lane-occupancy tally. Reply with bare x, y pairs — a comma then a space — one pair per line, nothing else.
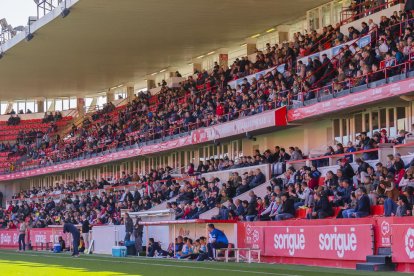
70, 228
129, 227
138, 231
22, 235
85, 231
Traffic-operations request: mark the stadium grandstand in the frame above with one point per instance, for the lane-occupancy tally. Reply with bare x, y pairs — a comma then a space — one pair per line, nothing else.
276, 132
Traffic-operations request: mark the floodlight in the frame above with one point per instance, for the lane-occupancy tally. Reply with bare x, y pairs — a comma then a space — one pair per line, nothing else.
29, 36
65, 12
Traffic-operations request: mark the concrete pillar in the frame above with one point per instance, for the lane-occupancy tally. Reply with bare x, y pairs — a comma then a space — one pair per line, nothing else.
283, 37
130, 93
150, 84
40, 106
80, 106
110, 96
251, 48
197, 67
223, 55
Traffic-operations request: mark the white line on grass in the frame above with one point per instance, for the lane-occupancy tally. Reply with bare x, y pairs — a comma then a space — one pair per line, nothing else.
153, 264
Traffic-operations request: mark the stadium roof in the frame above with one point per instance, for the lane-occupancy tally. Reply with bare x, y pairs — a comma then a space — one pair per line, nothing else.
101, 44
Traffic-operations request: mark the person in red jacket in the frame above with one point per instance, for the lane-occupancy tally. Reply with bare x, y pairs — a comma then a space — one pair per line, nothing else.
220, 109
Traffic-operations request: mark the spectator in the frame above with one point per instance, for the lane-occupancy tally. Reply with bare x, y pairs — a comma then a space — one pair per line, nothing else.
322, 208
362, 208
287, 210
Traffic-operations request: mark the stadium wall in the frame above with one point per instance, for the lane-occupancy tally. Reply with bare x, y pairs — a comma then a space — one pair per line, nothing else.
331, 242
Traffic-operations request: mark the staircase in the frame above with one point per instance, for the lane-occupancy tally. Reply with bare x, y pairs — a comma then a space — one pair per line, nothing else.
259, 191
380, 262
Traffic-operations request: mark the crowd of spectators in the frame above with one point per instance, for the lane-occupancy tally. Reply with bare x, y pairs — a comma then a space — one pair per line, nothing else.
350, 190
47, 206
345, 193
206, 99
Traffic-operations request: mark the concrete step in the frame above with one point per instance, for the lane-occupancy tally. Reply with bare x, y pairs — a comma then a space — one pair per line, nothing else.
375, 267
382, 259
384, 251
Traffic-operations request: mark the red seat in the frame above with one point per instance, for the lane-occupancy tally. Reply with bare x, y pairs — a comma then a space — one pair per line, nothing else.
321, 181
301, 213
377, 210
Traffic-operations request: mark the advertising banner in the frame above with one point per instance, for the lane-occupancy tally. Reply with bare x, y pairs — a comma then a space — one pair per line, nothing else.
402, 243
334, 242
9, 238
368, 96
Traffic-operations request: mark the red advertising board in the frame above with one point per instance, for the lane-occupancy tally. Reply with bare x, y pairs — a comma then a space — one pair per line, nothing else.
9, 238
36, 236
240, 126
368, 96
383, 231
43, 235
334, 242
402, 243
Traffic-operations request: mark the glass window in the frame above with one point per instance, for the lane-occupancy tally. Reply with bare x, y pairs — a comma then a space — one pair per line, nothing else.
358, 123
345, 134
58, 105
367, 128
3, 107
31, 105
326, 15
65, 104
101, 101
72, 103
383, 118
401, 118
337, 133
375, 124
48, 104
393, 130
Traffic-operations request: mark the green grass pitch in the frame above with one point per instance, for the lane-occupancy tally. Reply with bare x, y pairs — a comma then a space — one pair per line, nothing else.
38, 263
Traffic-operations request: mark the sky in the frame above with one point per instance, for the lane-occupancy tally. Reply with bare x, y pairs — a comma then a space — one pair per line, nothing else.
17, 11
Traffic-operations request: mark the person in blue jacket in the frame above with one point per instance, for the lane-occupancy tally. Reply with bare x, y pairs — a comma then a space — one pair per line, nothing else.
70, 228
217, 240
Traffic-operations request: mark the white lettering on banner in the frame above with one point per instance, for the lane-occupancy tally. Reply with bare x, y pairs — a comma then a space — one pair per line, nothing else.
409, 243
292, 242
411, 85
339, 242
395, 88
15, 238
40, 238
376, 91
5, 239
326, 104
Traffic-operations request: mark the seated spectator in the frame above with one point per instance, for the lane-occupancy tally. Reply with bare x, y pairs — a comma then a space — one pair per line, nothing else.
389, 192
223, 212
404, 208
287, 209
154, 247
322, 207
363, 207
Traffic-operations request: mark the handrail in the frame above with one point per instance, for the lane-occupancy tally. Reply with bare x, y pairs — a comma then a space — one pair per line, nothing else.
146, 183
351, 81
363, 12
332, 156
335, 57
